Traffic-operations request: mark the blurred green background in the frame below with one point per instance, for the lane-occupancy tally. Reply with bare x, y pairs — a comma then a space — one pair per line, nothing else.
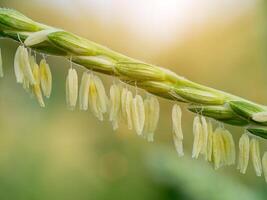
57, 154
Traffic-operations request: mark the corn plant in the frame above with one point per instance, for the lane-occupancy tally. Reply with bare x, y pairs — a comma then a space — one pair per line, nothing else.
215, 145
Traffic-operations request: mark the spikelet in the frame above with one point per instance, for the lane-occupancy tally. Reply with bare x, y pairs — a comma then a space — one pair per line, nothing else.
255, 156
218, 150
38, 37
152, 110
209, 143
123, 102
1, 65
115, 102
71, 88
264, 165
260, 117
128, 108
204, 136
18, 66
46, 78
138, 114
243, 153
229, 147
197, 133
84, 91
36, 87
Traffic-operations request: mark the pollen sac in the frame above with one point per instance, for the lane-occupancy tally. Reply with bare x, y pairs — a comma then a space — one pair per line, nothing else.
209, 143
18, 65
115, 103
264, 165
177, 121
1, 65
152, 110
123, 103
97, 97
198, 140
138, 114
129, 110
84, 91
36, 87
204, 136
46, 78
71, 88
25, 65
255, 156
178, 146
243, 158
229, 147
218, 149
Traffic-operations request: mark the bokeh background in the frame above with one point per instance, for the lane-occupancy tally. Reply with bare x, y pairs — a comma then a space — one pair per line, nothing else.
56, 154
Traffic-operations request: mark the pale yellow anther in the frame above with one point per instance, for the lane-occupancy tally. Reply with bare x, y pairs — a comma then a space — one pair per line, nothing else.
178, 146
18, 66
204, 136
209, 144
71, 88
255, 156
218, 149
46, 78
102, 99
198, 141
129, 101
84, 91
152, 110
138, 114
123, 102
177, 121
243, 153
229, 147
25, 65
36, 87
115, 98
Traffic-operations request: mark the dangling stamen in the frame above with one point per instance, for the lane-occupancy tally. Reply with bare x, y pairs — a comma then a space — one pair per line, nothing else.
177, 129
97, 97
138, 114
152, 110
102, 100
243, 153
204, 136
209, 144
71, 88
218, 149
84, 91
229, 147
46, 78
123, 102
198, 141
25, 65
18, 65
1, 65
129, 101
264, 165
115, 98
255, 156
36, 87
